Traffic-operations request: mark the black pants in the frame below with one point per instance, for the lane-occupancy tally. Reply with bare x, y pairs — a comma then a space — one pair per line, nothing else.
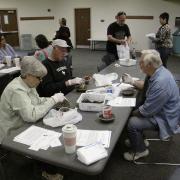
164, 53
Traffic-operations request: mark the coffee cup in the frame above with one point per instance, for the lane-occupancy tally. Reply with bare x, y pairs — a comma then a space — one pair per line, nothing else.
87, 79
69, 136
107, 112
8, 60
17, 62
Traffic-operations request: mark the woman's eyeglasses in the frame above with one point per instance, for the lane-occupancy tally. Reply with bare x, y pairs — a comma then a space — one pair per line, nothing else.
39, 78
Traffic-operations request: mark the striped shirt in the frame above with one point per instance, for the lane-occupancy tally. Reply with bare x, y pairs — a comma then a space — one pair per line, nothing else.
7, 51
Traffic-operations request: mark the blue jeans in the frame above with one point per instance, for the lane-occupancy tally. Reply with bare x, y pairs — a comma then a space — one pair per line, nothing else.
164, 53
135, 128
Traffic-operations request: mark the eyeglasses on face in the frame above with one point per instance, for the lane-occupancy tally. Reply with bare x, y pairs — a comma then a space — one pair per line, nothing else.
39, 78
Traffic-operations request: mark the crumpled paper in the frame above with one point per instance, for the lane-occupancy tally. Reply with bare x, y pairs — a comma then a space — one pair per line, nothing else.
56, 118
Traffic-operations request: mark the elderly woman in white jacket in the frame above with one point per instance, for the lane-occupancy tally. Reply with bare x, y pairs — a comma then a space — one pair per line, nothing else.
20, 101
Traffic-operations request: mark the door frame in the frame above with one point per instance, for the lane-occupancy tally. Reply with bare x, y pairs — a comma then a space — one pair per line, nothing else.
14, 9
75, 45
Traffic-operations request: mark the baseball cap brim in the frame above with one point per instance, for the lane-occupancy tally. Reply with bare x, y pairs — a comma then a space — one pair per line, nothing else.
60, 43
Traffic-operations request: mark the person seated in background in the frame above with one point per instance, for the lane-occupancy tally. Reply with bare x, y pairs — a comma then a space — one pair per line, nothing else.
58, 76
45, 47
160, 110
20, 102
6, 49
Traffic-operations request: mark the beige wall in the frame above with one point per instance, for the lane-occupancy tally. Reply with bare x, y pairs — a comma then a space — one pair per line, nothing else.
107, 9
100, 9
33, 8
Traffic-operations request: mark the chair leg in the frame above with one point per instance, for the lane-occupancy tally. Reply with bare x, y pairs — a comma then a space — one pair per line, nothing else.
2, 173
156, 163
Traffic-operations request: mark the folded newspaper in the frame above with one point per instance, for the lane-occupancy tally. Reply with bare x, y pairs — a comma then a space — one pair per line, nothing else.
91, 153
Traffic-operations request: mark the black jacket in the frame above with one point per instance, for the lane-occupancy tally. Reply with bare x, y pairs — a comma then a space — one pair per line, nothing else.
54, 81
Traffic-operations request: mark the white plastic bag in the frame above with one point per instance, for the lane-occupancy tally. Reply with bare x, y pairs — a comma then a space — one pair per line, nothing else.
55, 118
123, 51
104, 80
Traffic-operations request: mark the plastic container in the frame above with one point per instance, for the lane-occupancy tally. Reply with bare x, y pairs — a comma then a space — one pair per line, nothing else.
97, 105
176, 42
127, 62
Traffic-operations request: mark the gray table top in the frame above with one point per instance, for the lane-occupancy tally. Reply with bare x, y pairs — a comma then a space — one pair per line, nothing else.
57, 156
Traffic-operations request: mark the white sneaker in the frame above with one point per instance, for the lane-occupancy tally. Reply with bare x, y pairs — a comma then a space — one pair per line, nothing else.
52, 176
128, 143
131, 156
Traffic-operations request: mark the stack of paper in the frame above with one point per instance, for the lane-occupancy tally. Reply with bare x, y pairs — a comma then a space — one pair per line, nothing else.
87, 137
92, 153
38, 138
122, 102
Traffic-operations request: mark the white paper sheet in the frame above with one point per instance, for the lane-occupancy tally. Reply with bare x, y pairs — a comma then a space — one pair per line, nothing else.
38, 138
8, 70
86, 137
151, 36
122, 102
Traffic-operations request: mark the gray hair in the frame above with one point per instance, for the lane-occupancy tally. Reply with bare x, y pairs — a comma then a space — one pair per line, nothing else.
151, 56
31, 65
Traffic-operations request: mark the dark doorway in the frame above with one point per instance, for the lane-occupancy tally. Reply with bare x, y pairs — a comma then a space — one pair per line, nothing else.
9, 26
82, 26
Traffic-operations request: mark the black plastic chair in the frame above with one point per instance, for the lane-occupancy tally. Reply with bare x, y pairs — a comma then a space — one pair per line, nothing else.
108, 59
101, 66
2, 171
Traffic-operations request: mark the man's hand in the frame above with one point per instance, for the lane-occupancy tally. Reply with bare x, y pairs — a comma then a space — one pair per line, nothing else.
75, 81
136, 113
126, 78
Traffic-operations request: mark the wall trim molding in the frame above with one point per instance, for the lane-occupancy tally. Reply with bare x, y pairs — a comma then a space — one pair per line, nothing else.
37, 18
140, 17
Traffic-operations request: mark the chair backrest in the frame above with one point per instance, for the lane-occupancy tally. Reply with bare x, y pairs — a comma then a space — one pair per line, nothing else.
108, 59
101, 66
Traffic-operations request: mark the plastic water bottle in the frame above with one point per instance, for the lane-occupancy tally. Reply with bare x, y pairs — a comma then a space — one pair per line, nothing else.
133, 55
109, 93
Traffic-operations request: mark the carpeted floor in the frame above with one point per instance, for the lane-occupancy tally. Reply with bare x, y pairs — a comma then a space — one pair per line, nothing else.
85, 62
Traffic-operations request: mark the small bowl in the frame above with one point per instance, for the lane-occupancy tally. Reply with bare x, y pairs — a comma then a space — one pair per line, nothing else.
106, 119
128, 92
87, 79
64, 109
81, 88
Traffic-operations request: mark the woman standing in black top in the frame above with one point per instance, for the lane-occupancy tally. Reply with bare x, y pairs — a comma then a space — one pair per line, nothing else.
64, 32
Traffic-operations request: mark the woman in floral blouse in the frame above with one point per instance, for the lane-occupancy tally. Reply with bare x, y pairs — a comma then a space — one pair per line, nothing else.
163, 39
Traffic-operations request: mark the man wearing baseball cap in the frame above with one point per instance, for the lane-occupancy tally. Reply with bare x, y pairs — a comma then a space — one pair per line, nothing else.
58, 76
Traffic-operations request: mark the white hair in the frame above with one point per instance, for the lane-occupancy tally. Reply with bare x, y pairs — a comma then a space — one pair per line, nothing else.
31, 65
152, 57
